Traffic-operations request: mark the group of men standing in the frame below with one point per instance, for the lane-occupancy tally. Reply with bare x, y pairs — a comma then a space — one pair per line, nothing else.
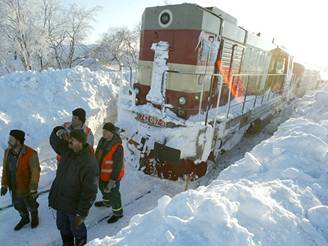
80, 172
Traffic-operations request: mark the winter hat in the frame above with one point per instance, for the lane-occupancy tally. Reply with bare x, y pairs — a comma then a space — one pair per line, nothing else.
18, 134
79, 112
79, 135
110, 127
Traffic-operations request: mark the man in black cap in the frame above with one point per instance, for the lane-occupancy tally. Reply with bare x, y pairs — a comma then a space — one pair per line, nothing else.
21, 173
110, 157
78, 122
75, 186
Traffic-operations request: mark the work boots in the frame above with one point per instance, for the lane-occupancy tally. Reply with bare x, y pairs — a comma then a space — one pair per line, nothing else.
24, 220
114, 218
68, 240
102, 204
35, 219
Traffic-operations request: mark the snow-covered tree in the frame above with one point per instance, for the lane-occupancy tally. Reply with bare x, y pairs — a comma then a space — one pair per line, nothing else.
19, 26
119, 46
77, 25
42, 33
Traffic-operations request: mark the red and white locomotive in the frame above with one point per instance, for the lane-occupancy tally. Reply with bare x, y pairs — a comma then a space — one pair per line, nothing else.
202, 81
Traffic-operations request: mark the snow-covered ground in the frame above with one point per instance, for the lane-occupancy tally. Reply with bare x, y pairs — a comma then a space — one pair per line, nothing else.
275, 195
43, 100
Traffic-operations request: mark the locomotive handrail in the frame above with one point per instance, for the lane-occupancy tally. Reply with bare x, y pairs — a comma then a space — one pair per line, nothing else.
163, 85
266, 95
246, 90
190, 73
259, 74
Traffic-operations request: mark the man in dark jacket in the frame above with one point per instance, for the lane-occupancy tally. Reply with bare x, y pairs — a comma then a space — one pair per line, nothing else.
21, 173
75, 187
110, 157
78, 122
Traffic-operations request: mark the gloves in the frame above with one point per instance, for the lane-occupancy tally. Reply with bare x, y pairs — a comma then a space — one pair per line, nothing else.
111, 184
78, 220
34, 194
62, 133
3, 190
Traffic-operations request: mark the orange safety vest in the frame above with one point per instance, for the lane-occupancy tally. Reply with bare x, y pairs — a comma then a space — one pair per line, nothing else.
107, 165
87, 131
22, 170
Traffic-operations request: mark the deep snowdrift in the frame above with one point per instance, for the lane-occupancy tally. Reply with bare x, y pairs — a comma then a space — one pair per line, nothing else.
37, 101
275, 195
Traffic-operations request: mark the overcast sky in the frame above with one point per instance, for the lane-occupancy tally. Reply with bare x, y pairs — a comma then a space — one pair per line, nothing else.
301, 26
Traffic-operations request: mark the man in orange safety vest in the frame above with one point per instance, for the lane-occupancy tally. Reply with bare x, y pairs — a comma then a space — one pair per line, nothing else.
110, 155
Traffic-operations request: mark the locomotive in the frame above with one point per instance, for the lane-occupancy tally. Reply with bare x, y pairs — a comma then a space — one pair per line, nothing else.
202, 82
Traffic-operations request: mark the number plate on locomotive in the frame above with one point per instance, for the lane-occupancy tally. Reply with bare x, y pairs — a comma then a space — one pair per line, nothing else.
151, 120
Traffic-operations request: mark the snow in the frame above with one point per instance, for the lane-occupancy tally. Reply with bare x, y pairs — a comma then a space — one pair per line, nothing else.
36, 102
51, 96
210, 48
181, 138
275, 195
159, 67
189, 136
318, 217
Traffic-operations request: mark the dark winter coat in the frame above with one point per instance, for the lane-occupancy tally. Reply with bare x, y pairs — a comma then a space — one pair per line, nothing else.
75, 187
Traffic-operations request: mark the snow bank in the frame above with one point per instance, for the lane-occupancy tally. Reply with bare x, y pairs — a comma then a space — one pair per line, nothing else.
37, 101
275, 195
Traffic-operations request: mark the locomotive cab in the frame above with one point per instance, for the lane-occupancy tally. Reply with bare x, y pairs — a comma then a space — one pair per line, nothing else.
177, 58
280, 66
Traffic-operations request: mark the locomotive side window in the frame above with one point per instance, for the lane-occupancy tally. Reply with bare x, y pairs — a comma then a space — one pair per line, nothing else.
278, 65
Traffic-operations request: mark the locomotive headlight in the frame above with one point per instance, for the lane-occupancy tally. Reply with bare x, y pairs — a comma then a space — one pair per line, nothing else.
182, 100
181, 113
137, 90
165, 18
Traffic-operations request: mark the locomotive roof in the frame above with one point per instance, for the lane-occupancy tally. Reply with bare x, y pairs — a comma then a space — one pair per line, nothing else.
231, 30
220, 13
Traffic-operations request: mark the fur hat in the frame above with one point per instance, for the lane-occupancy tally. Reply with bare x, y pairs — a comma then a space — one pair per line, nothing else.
80, 112
18, 134
110, 127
